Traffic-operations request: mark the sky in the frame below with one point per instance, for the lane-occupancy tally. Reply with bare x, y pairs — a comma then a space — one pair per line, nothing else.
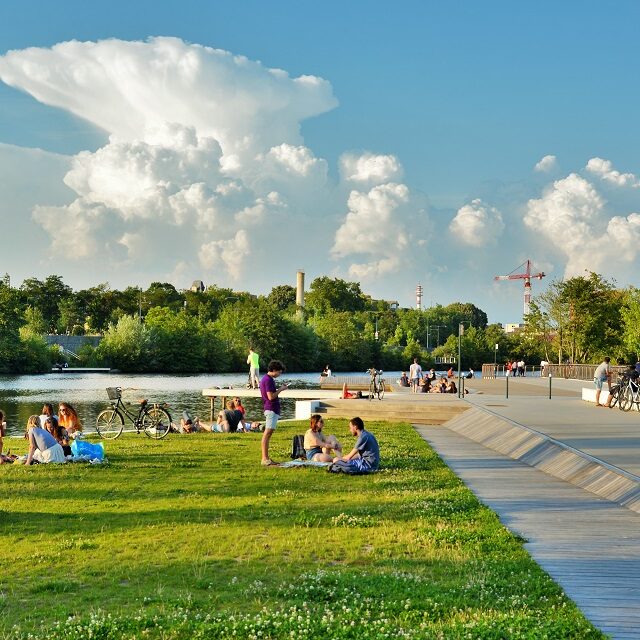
393, 144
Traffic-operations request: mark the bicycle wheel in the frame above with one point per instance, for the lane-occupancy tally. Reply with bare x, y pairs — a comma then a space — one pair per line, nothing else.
381, 389
372, 389
109, 424
156, 422
615, 396
625, 399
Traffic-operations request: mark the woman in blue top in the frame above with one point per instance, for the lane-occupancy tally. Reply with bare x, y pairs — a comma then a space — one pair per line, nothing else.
43, 447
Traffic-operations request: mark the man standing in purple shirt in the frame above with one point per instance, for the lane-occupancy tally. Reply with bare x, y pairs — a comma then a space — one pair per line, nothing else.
271, 404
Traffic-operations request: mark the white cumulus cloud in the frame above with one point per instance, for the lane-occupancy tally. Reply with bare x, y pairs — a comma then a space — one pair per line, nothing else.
374, 228
477, 224
604, 170
370, 168
546, 164
572, 216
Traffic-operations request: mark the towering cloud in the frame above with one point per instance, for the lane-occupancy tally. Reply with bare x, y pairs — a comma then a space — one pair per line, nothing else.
477, 224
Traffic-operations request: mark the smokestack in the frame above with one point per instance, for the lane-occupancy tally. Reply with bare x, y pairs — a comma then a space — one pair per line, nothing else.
419, 297
300, 292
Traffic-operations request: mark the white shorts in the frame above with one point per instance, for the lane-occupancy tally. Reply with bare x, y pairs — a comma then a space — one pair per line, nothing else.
271, 420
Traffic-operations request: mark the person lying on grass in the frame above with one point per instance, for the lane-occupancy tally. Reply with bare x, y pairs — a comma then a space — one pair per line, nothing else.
317, 446
42, 445
365, 455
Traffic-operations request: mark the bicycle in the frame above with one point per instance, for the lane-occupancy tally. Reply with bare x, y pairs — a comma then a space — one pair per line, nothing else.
153, 419
377, 384
629, 395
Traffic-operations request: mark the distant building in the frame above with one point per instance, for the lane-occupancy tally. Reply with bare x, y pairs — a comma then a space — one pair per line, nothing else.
513, 327
198, 286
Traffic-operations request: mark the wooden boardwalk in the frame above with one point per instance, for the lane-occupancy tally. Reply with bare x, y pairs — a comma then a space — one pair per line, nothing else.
590, 546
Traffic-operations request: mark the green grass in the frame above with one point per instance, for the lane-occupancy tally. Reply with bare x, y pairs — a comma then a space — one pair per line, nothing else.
192, 538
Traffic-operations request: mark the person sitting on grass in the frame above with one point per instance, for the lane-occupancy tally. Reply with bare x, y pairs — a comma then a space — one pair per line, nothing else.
230, 418
68, 418
365, 455
42, 445
317, 446
239, 406
46, 412
59, 433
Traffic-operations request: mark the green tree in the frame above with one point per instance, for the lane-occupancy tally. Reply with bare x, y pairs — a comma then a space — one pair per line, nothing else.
341, 341
326, 294
46, 295
283, 297
35, 320
630, 313
126, 345
11, 319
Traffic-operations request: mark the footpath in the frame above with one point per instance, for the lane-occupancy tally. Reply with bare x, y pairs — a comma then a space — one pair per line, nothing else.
588, 543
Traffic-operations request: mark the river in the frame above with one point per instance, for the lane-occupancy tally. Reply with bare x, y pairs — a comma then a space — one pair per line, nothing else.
22, 396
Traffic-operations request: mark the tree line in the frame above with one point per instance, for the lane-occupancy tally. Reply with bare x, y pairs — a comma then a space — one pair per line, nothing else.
161, 329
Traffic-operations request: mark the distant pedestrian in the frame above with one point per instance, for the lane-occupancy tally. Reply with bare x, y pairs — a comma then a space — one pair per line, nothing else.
271, 403
253, 360
521, 367
601, 375
415, 373
326, 372
543, 366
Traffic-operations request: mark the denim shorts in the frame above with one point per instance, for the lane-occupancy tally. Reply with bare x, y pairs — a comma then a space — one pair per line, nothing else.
271, 419
599, 382
312, 452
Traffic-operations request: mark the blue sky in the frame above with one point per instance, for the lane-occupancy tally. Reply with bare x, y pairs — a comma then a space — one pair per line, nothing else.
467, 96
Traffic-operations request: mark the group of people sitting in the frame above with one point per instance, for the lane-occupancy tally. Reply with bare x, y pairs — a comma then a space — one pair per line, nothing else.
429, 383
49, 435
230, 420
363, 458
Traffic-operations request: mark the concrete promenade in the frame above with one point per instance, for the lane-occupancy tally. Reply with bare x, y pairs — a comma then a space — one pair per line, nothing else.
589, 544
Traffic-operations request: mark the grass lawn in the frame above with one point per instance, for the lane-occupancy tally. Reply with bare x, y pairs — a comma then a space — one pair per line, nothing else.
191, 538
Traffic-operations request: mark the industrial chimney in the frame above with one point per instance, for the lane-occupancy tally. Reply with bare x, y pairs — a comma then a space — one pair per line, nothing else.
300, 292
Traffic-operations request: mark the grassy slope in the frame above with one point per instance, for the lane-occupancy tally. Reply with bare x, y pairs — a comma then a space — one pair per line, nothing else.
190, 537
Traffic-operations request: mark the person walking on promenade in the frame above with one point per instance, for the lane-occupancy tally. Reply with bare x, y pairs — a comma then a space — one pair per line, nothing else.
253, 360
271, 403
415, 373
601, 375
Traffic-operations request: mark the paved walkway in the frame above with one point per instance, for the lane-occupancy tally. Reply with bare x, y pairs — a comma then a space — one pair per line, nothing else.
589, 545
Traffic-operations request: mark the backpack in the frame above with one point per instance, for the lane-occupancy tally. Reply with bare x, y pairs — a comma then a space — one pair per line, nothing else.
297, 448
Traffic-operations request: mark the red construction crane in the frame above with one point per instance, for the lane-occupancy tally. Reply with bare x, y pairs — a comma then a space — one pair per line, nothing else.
526, 276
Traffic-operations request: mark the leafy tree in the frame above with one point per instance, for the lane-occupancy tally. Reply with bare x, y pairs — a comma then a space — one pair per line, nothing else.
46, 295
341, 341
126, 345
630, 313
35, 320
326, 294
163, 294
11, 319
282, 297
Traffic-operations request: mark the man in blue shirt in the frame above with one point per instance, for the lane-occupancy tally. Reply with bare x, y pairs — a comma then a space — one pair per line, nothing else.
365, 455
271, 404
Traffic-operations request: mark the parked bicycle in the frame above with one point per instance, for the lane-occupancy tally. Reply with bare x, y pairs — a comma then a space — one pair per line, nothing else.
628, 394
153, 419
377, 384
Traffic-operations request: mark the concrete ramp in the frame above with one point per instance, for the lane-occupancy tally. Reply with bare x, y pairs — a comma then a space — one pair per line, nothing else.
549, 455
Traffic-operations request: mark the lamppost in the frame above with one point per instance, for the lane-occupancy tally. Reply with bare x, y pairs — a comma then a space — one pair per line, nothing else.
495, 362
460, 334
375, 335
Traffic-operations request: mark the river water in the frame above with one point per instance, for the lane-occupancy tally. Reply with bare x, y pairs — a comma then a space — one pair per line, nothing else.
22, 396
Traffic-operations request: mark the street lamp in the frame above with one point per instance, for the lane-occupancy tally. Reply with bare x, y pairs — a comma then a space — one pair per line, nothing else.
460, 334
375, 335
495, 362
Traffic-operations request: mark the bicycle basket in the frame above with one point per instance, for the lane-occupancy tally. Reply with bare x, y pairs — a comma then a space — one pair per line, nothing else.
114, 393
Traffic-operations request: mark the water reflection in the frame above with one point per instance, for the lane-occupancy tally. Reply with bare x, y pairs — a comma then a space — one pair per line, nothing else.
22, 396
